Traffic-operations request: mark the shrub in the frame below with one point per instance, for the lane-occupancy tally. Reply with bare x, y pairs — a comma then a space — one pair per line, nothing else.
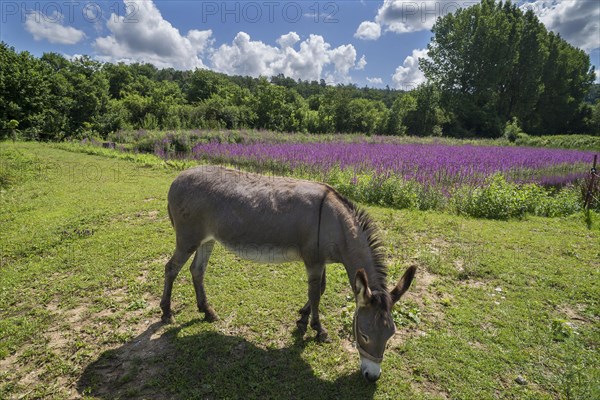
581, 142
513, 131
500, 199
172, 121
566, 202
398, 193
114, 119
490, 201
180, 143
150, 121
431, 198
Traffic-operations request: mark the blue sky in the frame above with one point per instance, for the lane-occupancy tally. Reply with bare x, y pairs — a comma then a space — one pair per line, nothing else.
373, 43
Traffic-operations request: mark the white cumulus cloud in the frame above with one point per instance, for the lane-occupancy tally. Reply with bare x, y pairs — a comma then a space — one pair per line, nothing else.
51, 28
288, 40
343, 58
368, 30
312, 59
151, 39
375, 81
155, 40
362, 63
403, 16
408, 75
578, 22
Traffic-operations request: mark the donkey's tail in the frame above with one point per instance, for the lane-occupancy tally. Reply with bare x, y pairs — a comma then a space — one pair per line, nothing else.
170, 216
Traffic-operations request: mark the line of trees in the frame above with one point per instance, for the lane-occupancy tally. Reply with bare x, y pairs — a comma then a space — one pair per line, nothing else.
489, 65
53, 98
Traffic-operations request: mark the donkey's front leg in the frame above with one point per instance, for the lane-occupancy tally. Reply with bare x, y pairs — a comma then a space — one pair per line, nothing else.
315, 276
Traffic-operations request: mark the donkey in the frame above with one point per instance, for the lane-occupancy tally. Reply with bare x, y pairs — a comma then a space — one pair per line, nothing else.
272, 219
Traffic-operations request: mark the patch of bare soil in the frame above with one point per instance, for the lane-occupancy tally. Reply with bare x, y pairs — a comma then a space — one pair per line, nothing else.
151, 264
129, 370
228, 327
89, 344
124, 370
427, 298
432, 389
349, 346
153, 214
7, 364
438, 245
575, 313
141, 217
423, 293
474, 283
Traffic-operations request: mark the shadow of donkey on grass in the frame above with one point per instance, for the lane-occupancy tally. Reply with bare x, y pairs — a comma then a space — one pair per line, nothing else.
210, 365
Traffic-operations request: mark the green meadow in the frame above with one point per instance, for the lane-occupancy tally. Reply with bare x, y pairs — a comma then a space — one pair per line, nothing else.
498, 310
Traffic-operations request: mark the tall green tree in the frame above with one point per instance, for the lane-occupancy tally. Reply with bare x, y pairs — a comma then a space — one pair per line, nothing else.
595, 119
425, 117
89, 94
231, 107
520, 94
119, 78
24, 91
567, 78
202, 84
493, 62
334, 112
366, 116
403, 106
278, 108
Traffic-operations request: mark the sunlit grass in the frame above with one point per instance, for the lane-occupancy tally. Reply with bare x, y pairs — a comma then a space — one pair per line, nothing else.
84, 242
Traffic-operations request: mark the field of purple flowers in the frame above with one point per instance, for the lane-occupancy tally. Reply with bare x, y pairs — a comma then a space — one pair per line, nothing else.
437, 165
477, 178
482, 181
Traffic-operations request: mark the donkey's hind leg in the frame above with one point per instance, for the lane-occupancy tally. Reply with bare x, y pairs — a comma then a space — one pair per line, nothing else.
302, 323
198, 268
172, 269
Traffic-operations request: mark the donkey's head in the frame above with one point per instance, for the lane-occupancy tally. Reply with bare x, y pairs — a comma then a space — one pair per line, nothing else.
373, 322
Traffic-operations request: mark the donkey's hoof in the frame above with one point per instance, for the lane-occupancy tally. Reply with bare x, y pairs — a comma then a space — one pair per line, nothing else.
301, 326
210, 317
323, 337
209, 314
167, 319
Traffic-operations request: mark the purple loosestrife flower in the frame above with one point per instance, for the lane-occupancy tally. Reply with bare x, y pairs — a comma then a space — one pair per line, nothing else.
432, 165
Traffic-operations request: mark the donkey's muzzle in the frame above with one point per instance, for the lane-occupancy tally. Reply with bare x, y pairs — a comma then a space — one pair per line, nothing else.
370, 370
371, 378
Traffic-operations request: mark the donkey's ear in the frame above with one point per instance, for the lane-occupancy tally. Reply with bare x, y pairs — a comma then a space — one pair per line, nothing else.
361, 287
403, 284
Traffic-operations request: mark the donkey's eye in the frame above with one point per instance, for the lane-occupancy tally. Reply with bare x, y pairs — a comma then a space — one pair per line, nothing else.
365, 338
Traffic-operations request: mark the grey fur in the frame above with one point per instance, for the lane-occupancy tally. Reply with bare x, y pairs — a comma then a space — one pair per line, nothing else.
274, 219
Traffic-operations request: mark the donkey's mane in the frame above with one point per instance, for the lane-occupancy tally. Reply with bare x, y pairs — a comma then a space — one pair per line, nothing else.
377, 283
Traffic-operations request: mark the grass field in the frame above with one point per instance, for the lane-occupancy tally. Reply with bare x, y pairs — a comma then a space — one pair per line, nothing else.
84, 240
